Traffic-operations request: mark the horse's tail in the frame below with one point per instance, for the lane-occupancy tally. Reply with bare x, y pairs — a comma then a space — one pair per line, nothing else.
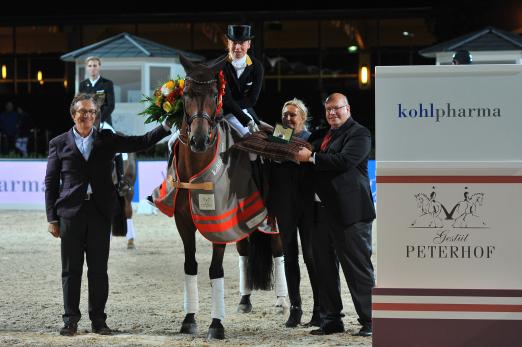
260, 262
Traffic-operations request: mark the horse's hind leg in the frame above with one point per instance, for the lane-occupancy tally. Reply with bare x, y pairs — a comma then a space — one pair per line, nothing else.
280, 287
191, 296
244, 306
217, 281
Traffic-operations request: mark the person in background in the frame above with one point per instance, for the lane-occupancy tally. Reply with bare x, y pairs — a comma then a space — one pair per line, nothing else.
461, 57
9, 120
345, 212
291, 202
25, 125
103, 90
80, 201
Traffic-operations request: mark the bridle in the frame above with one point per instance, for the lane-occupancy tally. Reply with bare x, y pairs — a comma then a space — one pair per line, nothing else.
213, 120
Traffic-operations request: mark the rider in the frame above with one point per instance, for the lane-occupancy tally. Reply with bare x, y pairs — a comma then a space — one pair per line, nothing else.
244, 76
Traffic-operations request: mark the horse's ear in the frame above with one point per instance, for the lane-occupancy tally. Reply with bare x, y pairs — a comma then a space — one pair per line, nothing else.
217, 64
187, 64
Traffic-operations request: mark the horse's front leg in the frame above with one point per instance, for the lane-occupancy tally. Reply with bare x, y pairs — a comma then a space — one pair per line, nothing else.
187, 231
217, 281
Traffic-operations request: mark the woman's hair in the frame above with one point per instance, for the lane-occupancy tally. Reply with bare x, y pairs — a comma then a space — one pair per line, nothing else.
301, 106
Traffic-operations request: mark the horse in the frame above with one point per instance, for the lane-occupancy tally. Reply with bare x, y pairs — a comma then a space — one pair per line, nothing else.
430, 210
200, 149
465, 212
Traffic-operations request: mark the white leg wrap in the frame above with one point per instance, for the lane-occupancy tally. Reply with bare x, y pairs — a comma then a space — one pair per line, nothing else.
243, 287
191, 297
130, 229
280, 278
218, 298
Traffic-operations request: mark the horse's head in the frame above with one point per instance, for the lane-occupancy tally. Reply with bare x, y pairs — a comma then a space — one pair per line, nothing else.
200, 99
477, 198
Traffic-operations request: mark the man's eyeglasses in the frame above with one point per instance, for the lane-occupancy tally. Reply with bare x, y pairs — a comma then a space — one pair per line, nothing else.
83, 112
334, 108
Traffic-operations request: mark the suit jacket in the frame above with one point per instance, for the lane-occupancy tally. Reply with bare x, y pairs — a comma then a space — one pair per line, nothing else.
341, 173
67, 164
103, 89
243, 92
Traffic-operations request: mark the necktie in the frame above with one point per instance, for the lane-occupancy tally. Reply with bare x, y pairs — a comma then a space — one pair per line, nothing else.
83, 149
326, 141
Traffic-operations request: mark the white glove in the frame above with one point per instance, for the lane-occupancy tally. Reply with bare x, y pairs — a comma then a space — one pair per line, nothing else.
252, 126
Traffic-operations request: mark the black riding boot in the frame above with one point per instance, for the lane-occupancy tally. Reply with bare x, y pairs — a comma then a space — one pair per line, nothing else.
123, 185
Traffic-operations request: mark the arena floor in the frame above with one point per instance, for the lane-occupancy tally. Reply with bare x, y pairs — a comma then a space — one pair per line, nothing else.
145, 306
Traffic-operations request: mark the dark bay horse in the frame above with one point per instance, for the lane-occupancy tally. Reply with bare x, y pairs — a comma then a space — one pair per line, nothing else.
198, 150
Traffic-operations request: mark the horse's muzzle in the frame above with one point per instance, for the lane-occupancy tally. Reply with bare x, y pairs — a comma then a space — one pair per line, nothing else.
199, 143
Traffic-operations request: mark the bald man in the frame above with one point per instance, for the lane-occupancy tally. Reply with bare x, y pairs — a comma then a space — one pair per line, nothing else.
345, 211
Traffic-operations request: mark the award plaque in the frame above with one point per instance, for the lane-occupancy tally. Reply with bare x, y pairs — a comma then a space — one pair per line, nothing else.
281, 134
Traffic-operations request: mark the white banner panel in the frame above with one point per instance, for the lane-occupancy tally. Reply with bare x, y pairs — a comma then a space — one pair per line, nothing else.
22, 184
449, 233
150, 175
469, 113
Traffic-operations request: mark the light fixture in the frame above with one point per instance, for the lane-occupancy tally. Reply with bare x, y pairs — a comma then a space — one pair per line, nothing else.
39, 76
364, 75
65, 84
352, 48
4, 71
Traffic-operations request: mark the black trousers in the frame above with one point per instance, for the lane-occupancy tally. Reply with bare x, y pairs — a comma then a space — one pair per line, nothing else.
292, 221
87, 233
351, 247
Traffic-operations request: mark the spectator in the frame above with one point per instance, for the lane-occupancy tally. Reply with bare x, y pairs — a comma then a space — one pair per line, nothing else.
9, 126
345, 211
291, 202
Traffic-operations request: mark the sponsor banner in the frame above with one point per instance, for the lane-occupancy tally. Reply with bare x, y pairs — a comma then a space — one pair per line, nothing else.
150, 176
449, 232
444, 113
22, 183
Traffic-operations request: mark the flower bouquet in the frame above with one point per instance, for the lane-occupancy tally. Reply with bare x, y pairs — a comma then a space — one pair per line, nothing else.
165, 104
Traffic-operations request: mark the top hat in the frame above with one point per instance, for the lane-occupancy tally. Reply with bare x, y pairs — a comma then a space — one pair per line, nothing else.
239, 32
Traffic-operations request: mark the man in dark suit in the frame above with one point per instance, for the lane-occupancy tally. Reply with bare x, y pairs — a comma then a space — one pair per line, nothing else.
80, 200
345, 211
244, 76
103, 90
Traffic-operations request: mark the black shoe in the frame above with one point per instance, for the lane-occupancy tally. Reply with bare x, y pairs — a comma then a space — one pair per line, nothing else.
315, 321
101, 329
69, 329
329, 328
295, 317
366, 330
150, 200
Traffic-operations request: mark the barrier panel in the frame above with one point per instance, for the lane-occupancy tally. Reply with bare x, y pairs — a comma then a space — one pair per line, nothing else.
449, 180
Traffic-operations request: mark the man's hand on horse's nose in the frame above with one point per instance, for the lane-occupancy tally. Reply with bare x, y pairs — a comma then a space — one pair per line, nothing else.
54, 229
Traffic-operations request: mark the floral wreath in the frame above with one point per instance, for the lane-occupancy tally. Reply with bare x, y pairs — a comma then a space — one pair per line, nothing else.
167, 101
